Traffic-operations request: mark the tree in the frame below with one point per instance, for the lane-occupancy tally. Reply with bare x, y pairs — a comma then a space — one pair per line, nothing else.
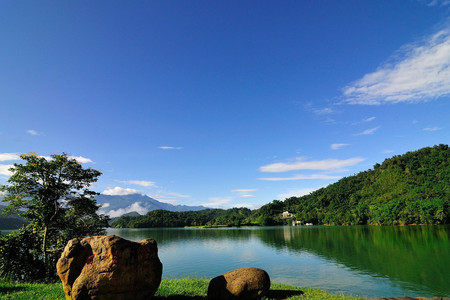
54, 195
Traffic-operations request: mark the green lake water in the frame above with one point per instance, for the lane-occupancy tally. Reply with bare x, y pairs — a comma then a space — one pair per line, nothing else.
368, 261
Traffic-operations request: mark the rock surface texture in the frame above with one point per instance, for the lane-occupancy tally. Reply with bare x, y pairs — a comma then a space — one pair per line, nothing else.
109, 267
243, 283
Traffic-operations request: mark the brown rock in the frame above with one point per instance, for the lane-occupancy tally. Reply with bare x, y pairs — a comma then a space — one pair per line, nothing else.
109, 267
243, 283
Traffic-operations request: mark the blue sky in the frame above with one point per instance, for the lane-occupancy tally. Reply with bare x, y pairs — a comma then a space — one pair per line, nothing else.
223, 103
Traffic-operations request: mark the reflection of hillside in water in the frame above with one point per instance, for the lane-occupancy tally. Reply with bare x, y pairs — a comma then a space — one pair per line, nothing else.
413, 254
417, 255
166, 236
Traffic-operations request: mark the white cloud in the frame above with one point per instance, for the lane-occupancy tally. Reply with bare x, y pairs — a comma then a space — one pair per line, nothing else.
244, 193
300, 177
9, 156
136, 206
144, 183
296, 193
244, 190
338, 146
431, 129
323, 111
81, 159
419, 72
247, 196
300, 164
4, 170
218, 202
367, 132
438, 2
170, 148
369, 119
33, 132
169, 197
118, 191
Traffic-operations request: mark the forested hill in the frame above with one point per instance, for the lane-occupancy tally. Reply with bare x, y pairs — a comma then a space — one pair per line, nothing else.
206, 217
413, 188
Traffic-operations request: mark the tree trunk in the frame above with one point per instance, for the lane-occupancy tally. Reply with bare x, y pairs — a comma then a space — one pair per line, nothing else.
44, 246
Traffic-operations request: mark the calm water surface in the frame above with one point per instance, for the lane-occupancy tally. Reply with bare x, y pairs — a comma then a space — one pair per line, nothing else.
367, 261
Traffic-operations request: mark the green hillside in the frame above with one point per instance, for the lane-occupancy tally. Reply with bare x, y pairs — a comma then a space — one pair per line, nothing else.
206, 217
413, 188
11, 221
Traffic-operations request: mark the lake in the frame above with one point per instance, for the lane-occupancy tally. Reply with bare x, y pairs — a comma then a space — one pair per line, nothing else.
368, 261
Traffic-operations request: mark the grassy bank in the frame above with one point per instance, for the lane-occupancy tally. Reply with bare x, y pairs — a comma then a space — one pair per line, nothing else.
188, 288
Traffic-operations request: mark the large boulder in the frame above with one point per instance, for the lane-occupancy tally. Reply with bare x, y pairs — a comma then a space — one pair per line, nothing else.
242, 283
109, 267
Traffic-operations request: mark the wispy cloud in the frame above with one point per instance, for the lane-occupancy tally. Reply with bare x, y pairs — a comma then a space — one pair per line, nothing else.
431, 129
33, 132
366, 120
170, 148
418, 72
438, 2
300, 177
9, 156
301, 164
338, 146
143, 183
323, 111
367, 132
119, 191
218, 202
244, 193
369, 119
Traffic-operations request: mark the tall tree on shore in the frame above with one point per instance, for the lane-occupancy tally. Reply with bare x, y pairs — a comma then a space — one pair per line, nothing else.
54, 195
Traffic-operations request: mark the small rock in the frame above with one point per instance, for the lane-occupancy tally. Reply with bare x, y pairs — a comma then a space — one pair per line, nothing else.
109, 267
243, 283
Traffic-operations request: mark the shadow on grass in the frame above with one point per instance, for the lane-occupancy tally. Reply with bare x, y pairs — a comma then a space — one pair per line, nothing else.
272, 294
175, 297
282, 294
11, 289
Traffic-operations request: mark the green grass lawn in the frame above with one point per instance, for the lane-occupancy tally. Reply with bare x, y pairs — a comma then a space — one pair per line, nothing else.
188, 288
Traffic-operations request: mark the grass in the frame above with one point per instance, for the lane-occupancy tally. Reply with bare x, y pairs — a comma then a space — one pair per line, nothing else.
187, 289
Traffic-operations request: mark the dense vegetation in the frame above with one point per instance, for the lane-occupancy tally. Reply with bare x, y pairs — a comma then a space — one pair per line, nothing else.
207, 217
53, 195
413, 188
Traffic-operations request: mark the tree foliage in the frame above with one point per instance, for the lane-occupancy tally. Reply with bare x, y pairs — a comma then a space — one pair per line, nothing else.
54, 195
207, 217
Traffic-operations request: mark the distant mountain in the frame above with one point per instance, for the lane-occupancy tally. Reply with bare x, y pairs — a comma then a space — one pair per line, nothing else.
119, 205
12, 221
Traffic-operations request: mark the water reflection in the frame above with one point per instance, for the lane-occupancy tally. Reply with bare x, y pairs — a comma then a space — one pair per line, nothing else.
364, 260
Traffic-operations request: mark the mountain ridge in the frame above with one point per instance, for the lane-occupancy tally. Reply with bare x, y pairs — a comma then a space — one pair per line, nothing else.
117, 205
